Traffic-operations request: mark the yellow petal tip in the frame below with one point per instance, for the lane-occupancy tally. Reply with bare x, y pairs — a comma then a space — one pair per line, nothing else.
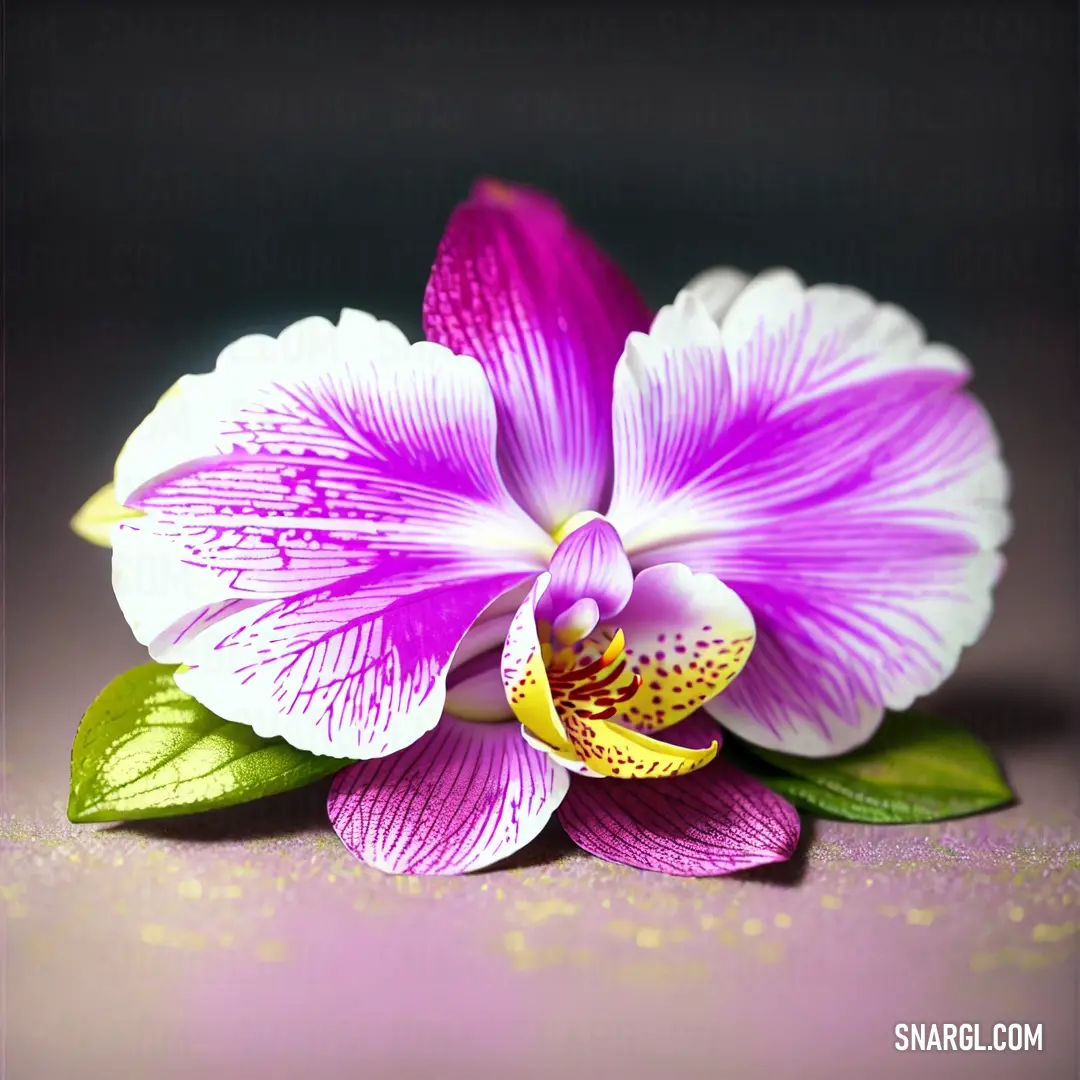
97, 516
573, 524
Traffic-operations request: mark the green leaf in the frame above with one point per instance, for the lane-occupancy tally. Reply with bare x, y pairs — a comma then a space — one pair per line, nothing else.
98, 515
916, 768
145, 749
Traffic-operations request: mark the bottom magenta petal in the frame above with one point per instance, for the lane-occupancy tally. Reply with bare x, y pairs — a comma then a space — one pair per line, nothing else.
714, 821
462, 797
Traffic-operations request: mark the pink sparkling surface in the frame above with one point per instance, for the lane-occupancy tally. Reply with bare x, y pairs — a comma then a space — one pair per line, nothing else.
249, 943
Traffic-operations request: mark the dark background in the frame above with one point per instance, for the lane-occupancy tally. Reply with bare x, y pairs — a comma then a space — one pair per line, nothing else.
198, 169
179, 174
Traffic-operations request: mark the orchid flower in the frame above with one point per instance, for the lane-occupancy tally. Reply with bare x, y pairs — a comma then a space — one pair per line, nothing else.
506, 570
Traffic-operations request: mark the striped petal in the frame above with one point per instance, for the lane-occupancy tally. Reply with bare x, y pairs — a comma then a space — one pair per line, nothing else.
329, 674
716, 289
323, 522
461, 798
823, 460
547, 313
716, 821
590, 564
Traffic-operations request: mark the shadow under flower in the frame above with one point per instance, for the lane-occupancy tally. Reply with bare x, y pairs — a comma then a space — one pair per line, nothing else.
276, 817
547, 849
554, 845
1005, 717
790, 873
1010, 720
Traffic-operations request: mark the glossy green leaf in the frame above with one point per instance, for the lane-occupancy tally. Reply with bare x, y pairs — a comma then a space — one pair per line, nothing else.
916, 768
145, 749
98, 515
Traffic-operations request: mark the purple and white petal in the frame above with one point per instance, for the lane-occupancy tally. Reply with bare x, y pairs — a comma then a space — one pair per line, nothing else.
827, 464
517, 285
590, 563
329, 672
846, 629
367, 450
461, 798
334, 473
788, 344
714, 821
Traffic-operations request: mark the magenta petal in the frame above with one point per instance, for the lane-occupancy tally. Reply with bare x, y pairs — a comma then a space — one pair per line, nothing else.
329, 674
821, 457
714, 821
547, 313
461, 798
323, 521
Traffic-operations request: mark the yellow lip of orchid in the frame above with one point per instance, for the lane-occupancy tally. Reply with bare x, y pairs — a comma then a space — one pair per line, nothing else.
572, 524
524, 671
590, 695
568, 700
